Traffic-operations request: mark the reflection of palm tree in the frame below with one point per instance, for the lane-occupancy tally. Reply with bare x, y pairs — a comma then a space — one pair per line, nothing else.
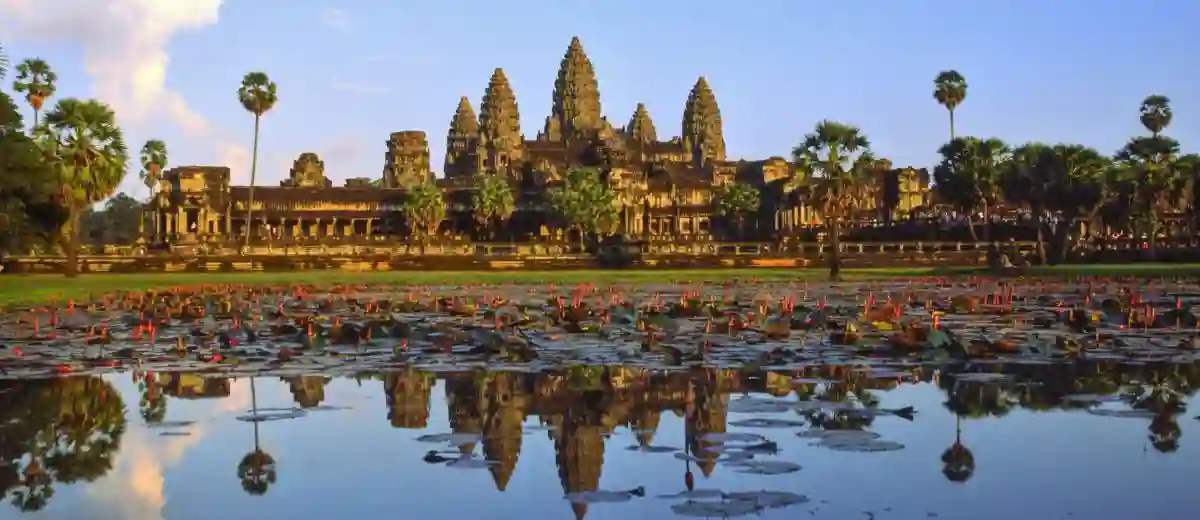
257, 469
1165, 433
153, 405
958, 463
35, 490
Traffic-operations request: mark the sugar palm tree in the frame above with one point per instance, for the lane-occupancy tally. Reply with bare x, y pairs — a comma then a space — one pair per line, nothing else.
492, 201
37, 82
837, 158
257, 95
1156, 113
950, 90
256, 470
3, 63
425, 208
958, 463
83, 142
154, 160
969, 176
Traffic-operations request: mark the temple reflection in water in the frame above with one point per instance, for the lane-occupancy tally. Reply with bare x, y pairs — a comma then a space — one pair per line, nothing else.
67, 430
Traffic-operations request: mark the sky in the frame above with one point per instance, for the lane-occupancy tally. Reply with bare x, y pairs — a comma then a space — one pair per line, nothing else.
350, 72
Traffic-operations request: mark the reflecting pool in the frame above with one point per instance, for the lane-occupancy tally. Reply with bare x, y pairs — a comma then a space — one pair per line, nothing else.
1091, 439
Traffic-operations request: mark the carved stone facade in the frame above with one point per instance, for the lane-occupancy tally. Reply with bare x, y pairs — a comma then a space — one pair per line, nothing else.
665, 188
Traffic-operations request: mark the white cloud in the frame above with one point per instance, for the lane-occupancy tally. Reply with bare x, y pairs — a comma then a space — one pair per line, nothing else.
237, 158
124, 45
360, 89
336, 19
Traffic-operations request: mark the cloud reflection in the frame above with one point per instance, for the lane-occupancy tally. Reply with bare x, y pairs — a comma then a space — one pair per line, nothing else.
134, 489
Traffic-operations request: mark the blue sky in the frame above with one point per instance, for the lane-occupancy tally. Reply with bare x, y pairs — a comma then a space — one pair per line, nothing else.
351, 72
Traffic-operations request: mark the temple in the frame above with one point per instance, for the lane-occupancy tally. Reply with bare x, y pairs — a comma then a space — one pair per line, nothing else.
665, 188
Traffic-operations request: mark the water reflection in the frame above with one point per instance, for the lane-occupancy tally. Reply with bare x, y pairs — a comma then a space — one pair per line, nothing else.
64, 431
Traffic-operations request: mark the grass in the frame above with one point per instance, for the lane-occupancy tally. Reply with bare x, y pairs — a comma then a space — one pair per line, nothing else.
18, 290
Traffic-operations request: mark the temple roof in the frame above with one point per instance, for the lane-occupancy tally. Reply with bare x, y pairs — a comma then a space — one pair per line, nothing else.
318, 194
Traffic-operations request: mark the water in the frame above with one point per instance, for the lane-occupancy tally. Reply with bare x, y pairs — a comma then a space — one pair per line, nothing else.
114, 447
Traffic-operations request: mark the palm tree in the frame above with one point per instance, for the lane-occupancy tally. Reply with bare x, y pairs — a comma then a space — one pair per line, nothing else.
958, 463
257, 95
425, 208
154, 161
1156, 113
837, 158
969, 176
1027, 180
257, 468
735, 201
586, 202
492, 201
950, 90
36, 80
82, 139
1078, 187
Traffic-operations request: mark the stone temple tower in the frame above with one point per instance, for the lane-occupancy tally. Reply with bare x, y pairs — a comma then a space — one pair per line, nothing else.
575, 112
462, 142
703, 139
641, 128
500, 138
407, 160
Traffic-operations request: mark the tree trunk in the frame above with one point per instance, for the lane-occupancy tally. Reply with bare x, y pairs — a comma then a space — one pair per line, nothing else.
987, 222
951, 124
253, 178
1064, 240
971, 228
72, 268
1041, 243
36, 114
835, 257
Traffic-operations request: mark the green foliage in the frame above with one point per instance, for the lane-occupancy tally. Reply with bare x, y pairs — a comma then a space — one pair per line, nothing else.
950, 89
586, 202
1156, 113
970, 173
154, 161
424, 208
56, 431
29, 214
492, 199
83, 144
257, 93
117, 223
837, 160
37, 81
736, 200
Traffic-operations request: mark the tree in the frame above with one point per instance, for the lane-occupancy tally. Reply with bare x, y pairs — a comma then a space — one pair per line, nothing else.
1151, 173
585, 202
154, 160
735, 201
969, 177
837, 158
1027, 180
1156, 113
256, 470
29, 215
950, 90
117, 223
3, 63
257, 95
37, 82
56, 431
1080, 187
424, 208
83, 142
492, 202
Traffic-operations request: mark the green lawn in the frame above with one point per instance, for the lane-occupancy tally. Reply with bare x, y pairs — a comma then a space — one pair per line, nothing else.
17, 289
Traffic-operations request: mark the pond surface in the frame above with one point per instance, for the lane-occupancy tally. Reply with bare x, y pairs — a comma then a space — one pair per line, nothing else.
1040, 443
933, 398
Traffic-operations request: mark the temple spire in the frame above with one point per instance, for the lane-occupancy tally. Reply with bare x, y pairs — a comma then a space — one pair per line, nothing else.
576, 102
462, 141
641, 127
702, 134
500, 123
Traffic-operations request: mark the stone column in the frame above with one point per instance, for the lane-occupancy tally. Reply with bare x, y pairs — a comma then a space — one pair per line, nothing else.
319, 229
370, 221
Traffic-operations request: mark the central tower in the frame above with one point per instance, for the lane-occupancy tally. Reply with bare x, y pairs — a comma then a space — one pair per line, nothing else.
576, 103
